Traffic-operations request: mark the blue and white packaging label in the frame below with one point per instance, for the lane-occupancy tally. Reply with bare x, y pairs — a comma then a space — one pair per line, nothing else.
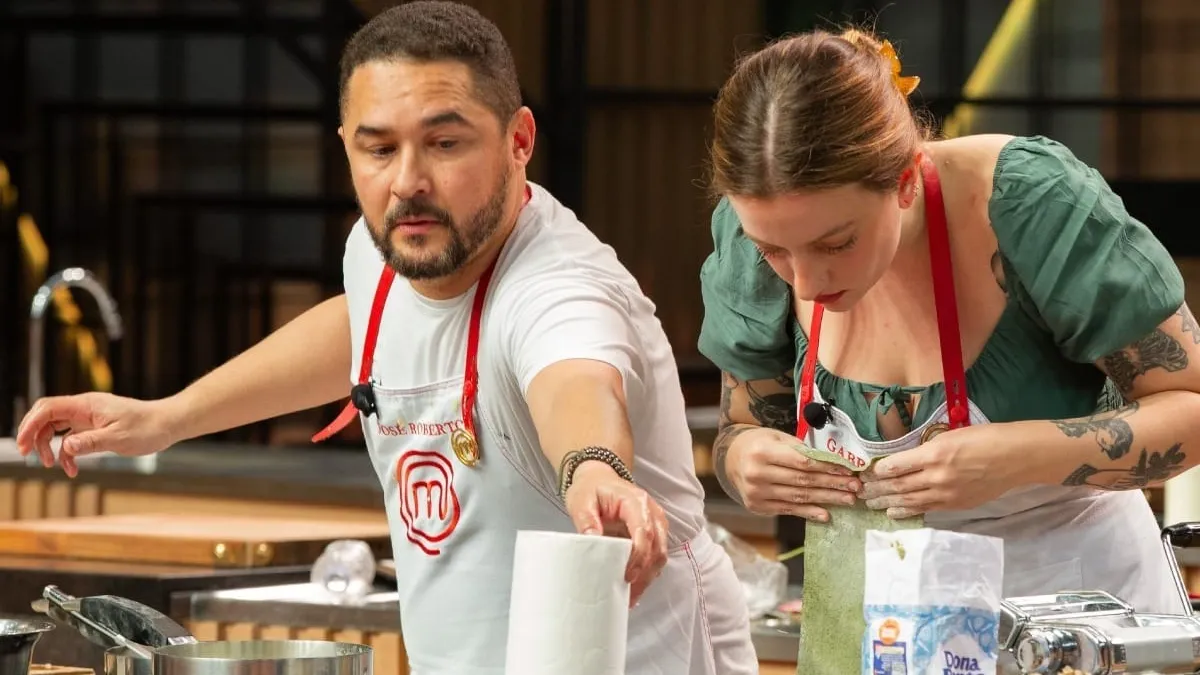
932, 603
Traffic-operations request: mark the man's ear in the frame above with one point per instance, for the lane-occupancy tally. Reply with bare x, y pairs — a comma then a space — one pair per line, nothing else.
523, 132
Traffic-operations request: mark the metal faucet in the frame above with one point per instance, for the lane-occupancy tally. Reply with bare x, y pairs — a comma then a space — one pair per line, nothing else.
75, 277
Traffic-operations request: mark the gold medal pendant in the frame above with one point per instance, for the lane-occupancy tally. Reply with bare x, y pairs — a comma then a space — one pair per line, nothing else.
933, 430
466, 448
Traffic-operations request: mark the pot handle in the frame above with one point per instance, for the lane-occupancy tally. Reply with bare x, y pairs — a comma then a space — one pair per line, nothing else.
65, 609
134, 621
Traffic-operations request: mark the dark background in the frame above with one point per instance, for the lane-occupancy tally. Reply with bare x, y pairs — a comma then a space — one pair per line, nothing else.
185, 150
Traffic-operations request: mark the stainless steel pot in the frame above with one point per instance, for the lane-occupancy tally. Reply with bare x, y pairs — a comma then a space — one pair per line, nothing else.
17, 639
264, 657
142, 641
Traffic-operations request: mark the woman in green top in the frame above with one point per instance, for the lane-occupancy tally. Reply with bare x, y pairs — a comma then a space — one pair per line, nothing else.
1080, 360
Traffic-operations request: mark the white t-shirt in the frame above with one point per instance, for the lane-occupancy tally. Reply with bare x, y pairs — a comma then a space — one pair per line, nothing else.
557, 293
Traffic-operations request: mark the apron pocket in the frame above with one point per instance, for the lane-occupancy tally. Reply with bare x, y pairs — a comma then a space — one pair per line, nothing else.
1064, 575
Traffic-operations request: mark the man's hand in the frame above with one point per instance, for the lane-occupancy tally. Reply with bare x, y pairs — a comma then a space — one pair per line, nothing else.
601, 502
578, 403
95, 422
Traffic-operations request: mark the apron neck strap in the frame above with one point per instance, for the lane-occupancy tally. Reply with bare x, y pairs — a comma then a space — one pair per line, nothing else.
471, 374
944, 298
362, 397
945, 303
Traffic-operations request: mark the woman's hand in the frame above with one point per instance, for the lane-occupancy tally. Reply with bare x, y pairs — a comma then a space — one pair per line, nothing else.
958, 469
774, 477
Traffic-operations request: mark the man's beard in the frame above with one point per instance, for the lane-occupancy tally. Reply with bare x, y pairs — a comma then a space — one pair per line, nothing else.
463, 240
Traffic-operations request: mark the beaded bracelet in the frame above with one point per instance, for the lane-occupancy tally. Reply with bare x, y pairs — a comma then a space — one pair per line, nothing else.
594, 453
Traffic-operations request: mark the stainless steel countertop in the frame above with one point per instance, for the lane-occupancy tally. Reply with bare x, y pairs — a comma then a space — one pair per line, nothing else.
304, 605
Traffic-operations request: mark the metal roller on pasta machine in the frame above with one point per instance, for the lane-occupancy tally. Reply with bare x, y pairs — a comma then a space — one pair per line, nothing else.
1095, 633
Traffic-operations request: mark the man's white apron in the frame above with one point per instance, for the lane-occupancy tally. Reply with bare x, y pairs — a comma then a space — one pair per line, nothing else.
453, 533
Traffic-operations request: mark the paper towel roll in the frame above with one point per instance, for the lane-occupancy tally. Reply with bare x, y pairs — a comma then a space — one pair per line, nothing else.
569, 611
1181, 498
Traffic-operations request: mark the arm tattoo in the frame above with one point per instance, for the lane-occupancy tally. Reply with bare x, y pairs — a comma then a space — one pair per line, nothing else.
720, 450
1157, 350
774, 411
727, 431
728, 384
1151, 467
1113, 433
1189, 324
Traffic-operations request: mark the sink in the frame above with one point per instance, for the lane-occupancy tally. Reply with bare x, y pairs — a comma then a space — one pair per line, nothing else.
9, 454
8, 448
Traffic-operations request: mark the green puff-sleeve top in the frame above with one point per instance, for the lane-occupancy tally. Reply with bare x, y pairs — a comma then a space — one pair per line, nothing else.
1084, 279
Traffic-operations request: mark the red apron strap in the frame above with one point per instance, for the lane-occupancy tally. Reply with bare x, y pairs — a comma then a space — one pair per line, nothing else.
808, 374
944, 298
471, 376
945, 303
368, 357
362, 397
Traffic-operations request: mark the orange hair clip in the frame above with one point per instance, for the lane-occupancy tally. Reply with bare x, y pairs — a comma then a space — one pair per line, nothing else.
906, 85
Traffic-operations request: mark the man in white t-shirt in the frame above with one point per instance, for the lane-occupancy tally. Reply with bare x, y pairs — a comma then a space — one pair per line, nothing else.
507, 370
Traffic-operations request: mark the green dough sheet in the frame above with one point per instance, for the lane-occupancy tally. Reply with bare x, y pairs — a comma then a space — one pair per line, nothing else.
832, 626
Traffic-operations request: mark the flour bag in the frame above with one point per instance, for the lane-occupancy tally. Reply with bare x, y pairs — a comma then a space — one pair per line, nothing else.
931, 600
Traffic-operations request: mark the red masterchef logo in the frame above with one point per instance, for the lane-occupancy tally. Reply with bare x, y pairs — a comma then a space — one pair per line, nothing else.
428, 503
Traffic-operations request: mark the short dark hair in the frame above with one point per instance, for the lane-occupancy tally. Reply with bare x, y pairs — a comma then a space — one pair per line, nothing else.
434, 30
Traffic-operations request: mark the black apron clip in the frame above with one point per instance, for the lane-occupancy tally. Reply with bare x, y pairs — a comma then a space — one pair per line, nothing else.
817, 414
363, 398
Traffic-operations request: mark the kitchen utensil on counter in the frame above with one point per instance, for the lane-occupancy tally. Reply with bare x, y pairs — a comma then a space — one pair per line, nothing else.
1094, 633
17, 639
345, 571
125, 629
139, 640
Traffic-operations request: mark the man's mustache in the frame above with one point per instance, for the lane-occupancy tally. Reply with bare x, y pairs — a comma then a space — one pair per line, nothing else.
416, 209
